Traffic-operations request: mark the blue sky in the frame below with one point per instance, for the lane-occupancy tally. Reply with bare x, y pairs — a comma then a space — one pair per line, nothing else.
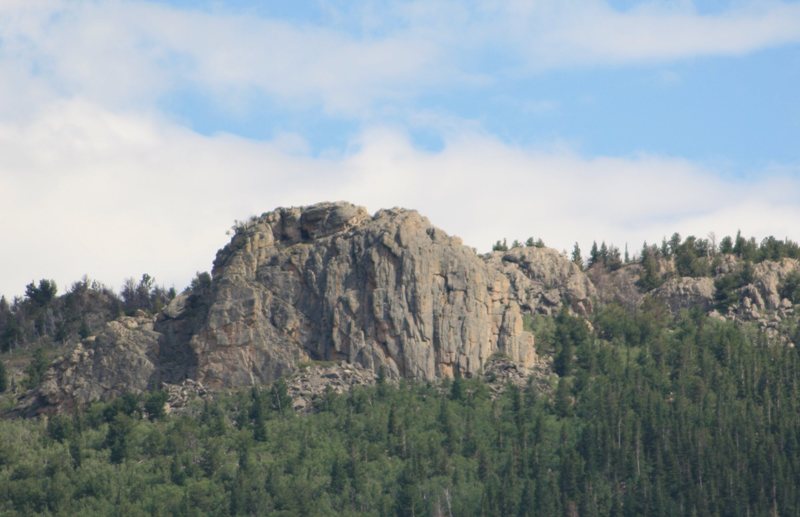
739, 110
133, 133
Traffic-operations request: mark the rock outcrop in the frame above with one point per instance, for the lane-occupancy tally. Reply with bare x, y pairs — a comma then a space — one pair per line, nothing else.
619, 286
312, 382
330, 283
685, 293
768, 277
121, 358
542, 280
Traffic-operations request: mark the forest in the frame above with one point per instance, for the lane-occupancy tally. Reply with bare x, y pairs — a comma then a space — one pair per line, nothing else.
647, 412
650, 414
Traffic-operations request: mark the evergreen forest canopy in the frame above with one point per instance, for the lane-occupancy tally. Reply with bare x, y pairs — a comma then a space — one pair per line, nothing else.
649, 413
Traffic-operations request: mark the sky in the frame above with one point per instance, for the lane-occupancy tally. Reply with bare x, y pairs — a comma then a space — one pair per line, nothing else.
133, 133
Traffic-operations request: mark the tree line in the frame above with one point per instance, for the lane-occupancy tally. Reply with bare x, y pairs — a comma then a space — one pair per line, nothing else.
41, 317
650, 414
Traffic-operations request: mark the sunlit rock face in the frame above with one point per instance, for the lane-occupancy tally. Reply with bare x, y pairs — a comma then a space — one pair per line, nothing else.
329, 282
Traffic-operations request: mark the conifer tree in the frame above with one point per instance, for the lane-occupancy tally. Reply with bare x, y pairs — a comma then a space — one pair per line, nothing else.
576, 256
594, 254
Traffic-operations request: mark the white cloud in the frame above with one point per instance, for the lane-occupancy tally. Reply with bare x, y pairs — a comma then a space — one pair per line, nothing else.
114, 194
130, 54
94, 180
598, 34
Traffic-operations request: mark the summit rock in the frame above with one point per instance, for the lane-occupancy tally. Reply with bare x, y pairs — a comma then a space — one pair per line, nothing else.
329, 282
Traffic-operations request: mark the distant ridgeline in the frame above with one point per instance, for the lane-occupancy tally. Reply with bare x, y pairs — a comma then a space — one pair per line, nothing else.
667, 383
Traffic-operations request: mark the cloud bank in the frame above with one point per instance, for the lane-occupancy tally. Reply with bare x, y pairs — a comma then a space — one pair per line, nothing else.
99, 177
129, 54
89, 191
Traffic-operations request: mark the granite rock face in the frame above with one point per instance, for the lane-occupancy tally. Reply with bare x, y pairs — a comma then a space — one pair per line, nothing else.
329, 282
685, 293
619, 287
542, 280
121, 358
332, 283
768, 276
389, 292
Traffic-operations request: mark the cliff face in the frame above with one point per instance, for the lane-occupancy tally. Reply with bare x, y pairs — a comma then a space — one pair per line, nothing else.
386, 292
330, 283
121, 358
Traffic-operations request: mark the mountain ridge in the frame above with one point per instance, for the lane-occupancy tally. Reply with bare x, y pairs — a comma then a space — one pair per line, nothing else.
387, 292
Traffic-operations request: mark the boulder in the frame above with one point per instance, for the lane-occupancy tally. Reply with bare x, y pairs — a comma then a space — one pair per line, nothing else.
686, 293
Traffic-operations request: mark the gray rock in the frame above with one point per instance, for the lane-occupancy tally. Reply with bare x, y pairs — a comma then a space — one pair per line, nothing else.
541, 279
313, 381
685, 293
121, 358
617, 286
332, 283
768, 277
328, 283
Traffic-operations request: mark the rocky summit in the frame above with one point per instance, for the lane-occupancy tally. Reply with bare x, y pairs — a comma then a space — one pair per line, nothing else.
299, 288
323, 283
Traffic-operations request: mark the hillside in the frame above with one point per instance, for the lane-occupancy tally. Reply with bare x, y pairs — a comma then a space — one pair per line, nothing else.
335, 362
388, 293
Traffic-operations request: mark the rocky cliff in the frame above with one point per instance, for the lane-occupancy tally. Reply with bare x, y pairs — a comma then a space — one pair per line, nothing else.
332, 284
329, 282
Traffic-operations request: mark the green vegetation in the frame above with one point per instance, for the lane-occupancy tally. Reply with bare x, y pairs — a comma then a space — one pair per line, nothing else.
791, 287
694, 257
35, 369
607, 256
577, 259
529, 243
727, 285
3, 377
43, 319
650, 414
654, 415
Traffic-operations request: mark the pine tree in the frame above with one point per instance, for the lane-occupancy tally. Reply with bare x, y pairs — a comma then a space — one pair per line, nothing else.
500, 246
257, 415
674, 243
576, 256
614, 261
280, 400
726, 245
594, 254
154, 404
650, 278
35, 369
